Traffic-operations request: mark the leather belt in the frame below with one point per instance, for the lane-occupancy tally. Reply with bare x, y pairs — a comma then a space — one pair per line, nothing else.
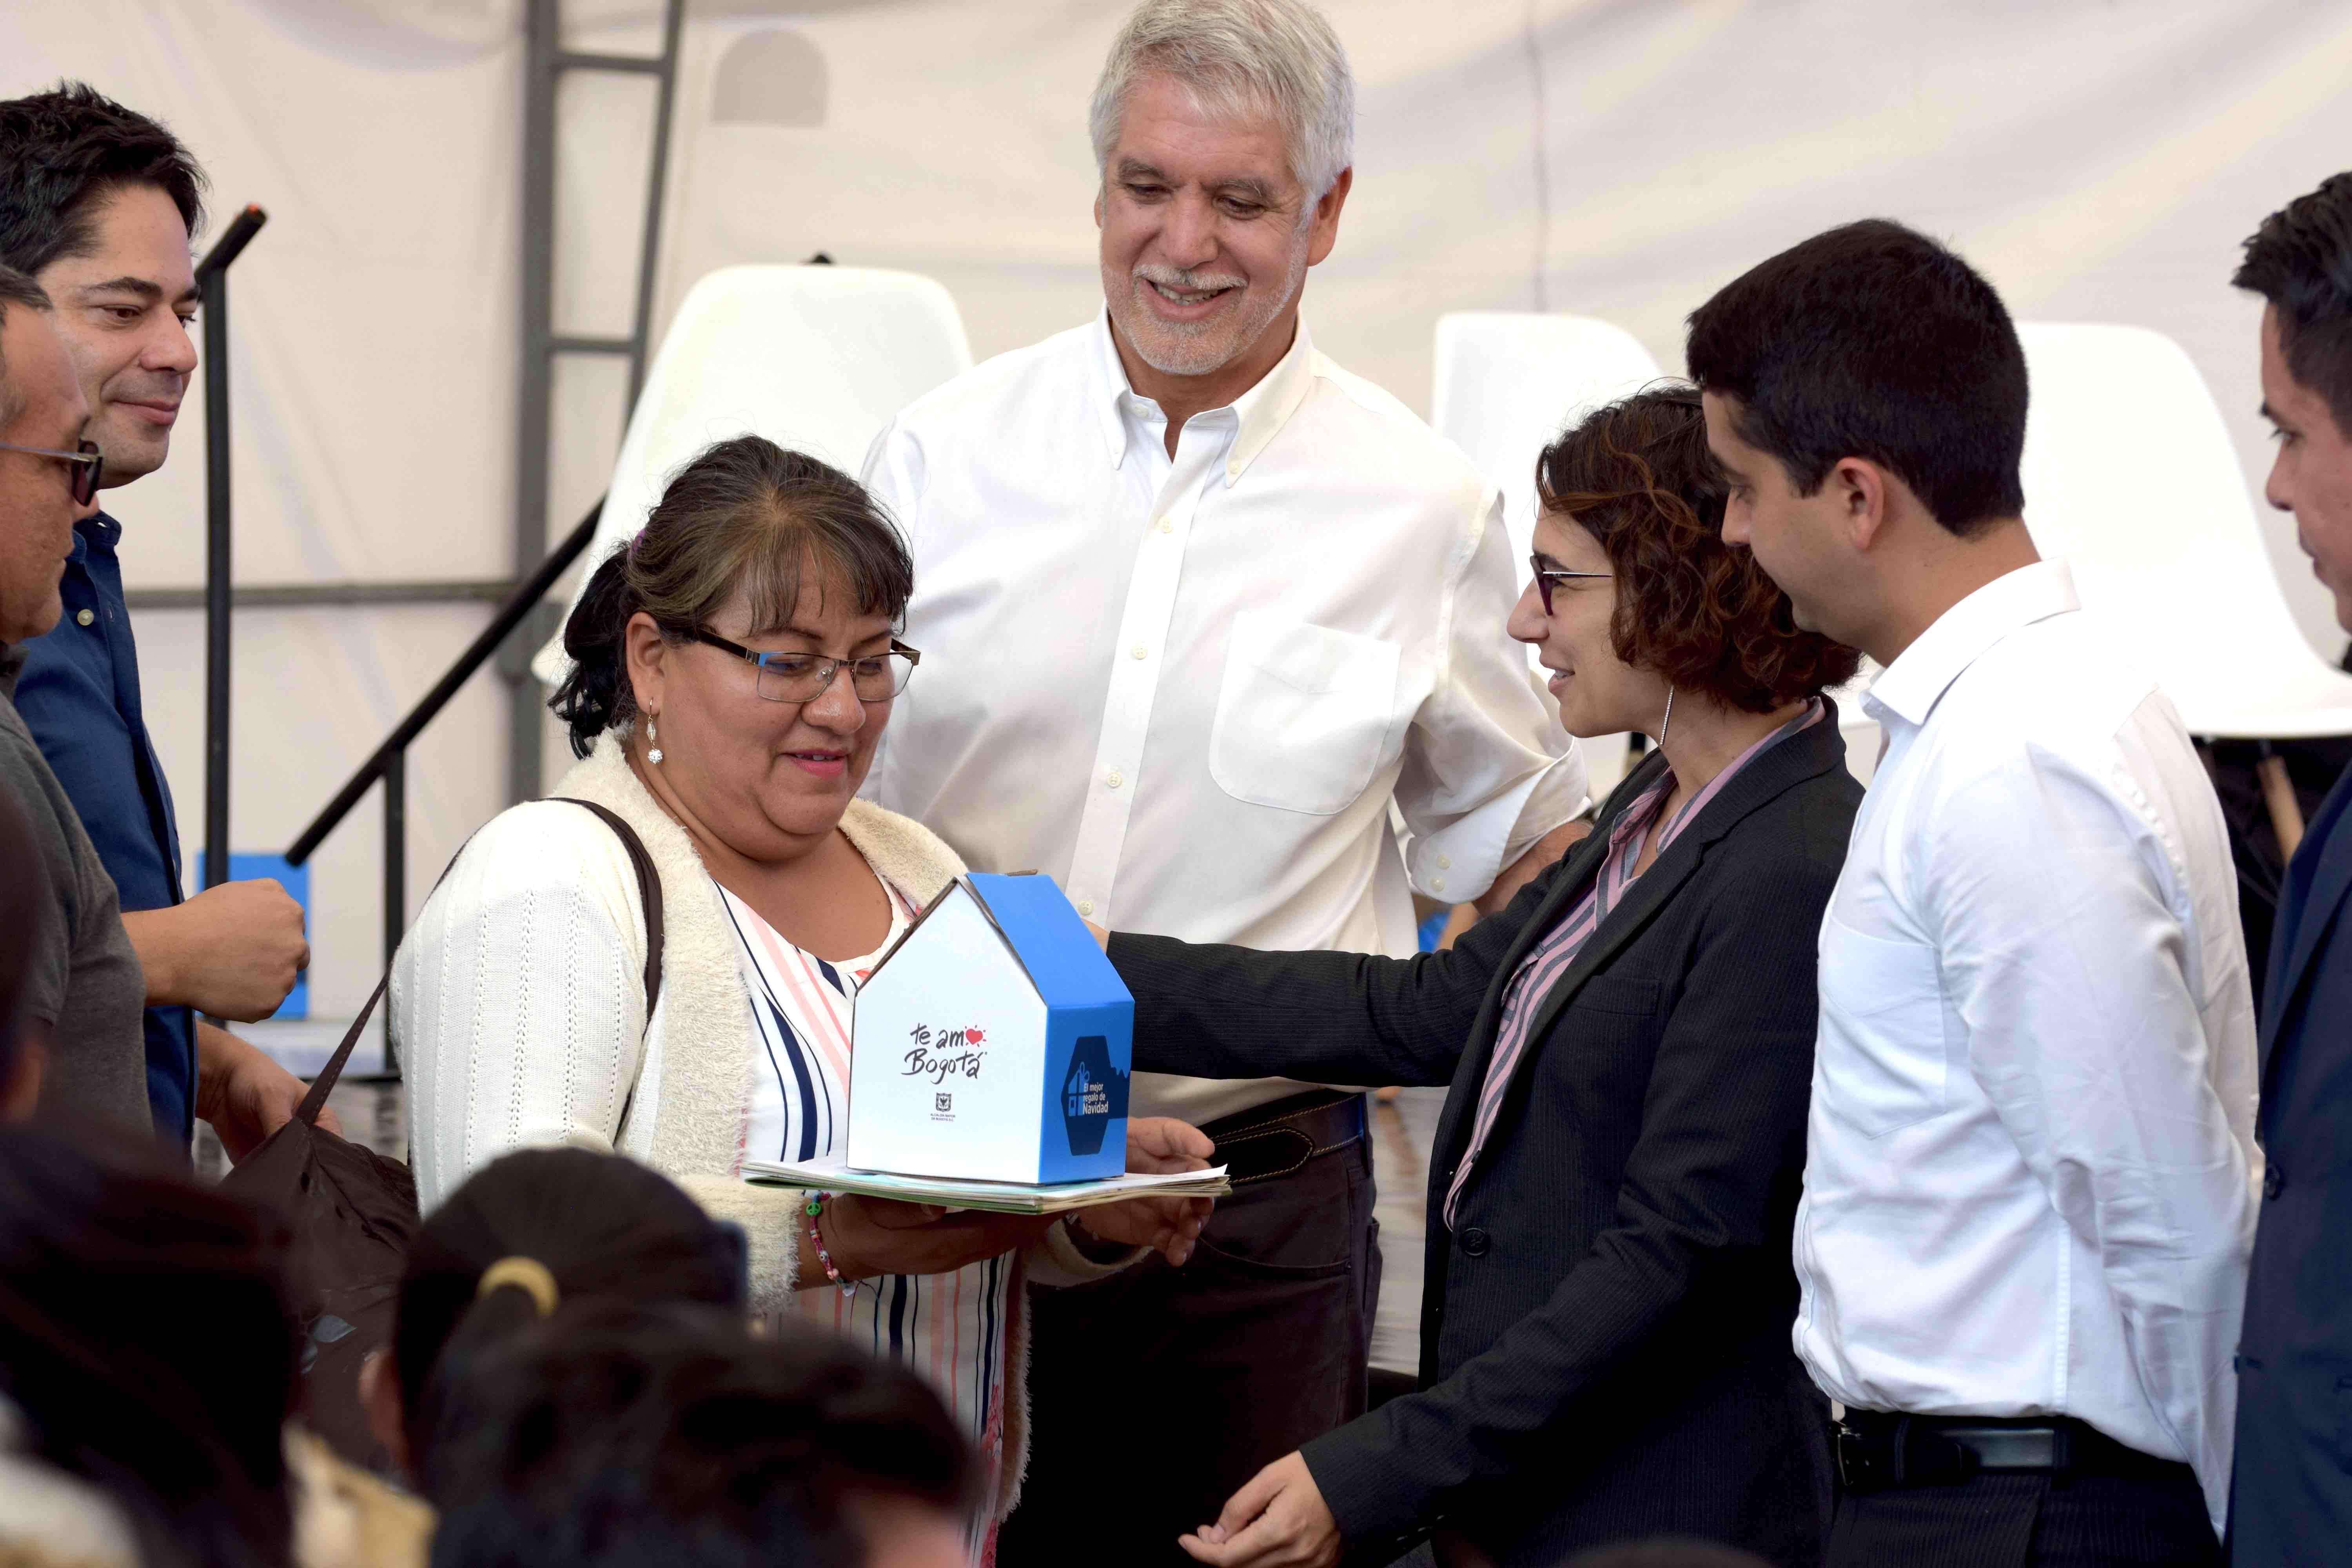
1279, 1137
1880, 1450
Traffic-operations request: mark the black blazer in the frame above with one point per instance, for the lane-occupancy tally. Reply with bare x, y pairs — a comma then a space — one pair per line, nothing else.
1605, 1338
2291, 1501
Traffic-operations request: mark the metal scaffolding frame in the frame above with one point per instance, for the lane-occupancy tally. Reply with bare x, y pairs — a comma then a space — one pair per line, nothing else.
519, 622
546, 63
211, 281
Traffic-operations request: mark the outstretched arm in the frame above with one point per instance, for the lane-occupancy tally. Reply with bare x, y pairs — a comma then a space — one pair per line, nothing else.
1210, 1011
1703, 1211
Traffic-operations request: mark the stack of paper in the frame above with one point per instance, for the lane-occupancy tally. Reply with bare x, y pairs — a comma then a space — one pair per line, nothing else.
1000, 1197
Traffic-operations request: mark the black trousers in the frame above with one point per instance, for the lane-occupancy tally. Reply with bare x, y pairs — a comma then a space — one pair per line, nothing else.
1154, 1394
2151, 1519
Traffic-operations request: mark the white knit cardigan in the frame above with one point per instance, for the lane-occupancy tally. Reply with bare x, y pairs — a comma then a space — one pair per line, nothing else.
518, 1000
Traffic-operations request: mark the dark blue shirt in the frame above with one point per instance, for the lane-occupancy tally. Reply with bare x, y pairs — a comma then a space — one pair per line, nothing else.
80, 696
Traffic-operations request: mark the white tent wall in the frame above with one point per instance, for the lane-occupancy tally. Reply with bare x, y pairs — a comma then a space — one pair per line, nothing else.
1615, 159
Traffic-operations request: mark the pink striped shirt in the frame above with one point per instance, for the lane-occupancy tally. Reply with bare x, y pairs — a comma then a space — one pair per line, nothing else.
1549, 959
951, 1328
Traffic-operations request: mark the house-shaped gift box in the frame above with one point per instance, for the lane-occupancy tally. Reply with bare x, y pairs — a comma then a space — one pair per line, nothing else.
993, 1042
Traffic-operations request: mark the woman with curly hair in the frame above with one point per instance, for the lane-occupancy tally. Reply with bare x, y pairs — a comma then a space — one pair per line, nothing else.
1605, 1324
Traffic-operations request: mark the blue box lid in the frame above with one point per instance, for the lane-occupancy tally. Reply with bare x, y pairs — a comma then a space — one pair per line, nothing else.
1050, 939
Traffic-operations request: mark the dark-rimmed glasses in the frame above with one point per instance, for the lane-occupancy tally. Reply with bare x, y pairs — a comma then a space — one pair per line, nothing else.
82, 466
1547, 575
805, 676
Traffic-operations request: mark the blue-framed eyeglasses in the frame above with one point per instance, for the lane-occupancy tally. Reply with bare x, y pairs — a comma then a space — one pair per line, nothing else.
805, 676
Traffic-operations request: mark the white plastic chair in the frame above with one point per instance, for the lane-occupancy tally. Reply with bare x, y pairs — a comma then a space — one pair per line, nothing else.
816, 358
1506, 382
2131, 477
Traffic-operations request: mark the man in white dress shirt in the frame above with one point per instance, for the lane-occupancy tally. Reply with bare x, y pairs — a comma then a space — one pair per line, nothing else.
1196, 606
2023, 1243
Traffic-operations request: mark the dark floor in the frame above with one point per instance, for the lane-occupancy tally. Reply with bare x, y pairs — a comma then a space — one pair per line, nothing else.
376, 1115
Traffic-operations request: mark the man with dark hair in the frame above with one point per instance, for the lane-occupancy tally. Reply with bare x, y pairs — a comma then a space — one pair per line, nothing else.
98, 203
76, 1044
2027, 1203
2293, 1500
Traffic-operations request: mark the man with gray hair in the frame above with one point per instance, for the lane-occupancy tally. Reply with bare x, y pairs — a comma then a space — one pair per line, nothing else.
81, 989
1199, 607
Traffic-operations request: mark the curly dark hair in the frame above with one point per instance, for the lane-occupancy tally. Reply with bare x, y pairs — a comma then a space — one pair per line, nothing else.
1637, 476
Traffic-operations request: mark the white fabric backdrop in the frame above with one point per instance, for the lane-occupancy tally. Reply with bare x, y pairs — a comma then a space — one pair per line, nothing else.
1618, 160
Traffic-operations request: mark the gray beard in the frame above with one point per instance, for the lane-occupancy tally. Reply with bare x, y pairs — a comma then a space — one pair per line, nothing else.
1184, 350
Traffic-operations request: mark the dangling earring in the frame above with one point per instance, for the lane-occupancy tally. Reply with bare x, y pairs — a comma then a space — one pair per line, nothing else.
1664, 724
652, 734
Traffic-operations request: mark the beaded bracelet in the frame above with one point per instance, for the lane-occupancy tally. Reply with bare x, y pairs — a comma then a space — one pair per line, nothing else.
817, 1239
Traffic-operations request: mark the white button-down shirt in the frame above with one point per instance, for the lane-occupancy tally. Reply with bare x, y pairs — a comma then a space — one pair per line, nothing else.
1189, 689
2029, 1170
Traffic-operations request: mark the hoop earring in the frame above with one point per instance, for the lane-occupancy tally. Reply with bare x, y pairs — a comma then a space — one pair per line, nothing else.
1665, 725
653, 735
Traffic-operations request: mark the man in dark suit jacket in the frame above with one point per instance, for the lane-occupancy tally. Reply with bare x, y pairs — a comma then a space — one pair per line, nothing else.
2291, 1501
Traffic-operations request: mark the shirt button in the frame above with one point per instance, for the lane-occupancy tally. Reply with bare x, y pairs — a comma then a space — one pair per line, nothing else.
1116, 779
1137, 650
83, 617
1444, 864
1437, 884
1086, 906
1166, 526
1475, 1241
2272, 1180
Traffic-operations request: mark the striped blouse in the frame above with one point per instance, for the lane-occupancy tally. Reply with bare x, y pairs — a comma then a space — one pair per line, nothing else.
1540, 970
951, 1328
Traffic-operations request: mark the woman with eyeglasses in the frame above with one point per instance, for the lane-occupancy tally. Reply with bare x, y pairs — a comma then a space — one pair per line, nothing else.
1608, 1291
733, 672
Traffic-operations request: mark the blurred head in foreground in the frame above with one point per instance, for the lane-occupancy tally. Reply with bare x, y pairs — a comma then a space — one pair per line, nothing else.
2300, 262
147, 1347
558, 1226
606, 1438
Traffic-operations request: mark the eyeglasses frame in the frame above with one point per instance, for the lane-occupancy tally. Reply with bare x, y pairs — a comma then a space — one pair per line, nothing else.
1547, 575
89, 460
833, 666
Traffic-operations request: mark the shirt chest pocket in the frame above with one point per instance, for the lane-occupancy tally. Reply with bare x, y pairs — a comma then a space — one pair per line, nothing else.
1303, 716
1881, 1065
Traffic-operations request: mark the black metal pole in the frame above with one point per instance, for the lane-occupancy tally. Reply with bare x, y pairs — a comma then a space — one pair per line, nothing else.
519, 604
657, 187
396, 883
395, 852
212, 278
535, 396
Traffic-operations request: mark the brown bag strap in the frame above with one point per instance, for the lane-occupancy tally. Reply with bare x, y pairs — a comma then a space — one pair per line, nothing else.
649, 897
316, 1100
